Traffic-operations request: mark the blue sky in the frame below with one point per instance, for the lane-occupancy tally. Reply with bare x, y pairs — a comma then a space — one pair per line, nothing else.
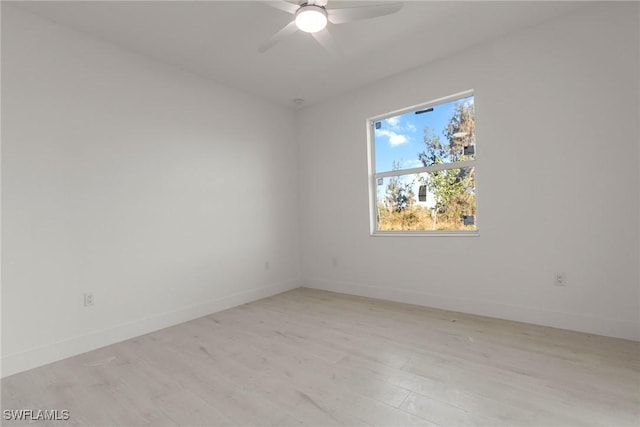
400, 138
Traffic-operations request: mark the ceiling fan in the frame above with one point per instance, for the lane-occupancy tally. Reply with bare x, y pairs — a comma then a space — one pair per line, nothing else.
312, 17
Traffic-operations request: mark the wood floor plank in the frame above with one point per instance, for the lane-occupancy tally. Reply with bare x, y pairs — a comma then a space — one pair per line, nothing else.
315, 358
303, 369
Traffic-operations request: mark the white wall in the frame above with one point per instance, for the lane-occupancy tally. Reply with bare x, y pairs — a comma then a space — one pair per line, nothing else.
162, 193
557, 130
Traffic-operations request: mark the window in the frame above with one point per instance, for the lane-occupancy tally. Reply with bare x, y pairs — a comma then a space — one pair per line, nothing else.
422, 163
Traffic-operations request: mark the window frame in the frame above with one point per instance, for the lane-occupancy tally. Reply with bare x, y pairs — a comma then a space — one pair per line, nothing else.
373, 175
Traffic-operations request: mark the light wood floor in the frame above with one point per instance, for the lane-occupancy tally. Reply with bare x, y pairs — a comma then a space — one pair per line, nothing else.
314, 358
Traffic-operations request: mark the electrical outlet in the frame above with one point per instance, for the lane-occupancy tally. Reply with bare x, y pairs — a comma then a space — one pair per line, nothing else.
560, 279
89, 299
267, 266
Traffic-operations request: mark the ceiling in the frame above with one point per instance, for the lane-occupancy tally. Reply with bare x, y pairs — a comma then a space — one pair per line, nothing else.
219, 39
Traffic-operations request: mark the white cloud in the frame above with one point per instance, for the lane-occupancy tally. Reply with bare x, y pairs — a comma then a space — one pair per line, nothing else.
397, 125
394, 138
394, 122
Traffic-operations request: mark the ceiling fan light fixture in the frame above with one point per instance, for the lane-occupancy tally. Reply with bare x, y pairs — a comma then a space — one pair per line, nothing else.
311, 18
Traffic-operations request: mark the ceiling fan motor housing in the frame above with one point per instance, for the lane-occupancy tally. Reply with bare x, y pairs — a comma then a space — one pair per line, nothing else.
311, 18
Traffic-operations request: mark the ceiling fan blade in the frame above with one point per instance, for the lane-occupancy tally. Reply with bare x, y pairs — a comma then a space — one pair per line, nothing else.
289, 29
283, 5
326, 40
342, 16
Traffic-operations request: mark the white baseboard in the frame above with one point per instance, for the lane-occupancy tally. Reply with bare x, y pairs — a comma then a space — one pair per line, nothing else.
35, 357
38, 356
572, 321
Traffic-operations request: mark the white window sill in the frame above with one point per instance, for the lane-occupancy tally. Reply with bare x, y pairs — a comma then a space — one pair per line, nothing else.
474, 233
